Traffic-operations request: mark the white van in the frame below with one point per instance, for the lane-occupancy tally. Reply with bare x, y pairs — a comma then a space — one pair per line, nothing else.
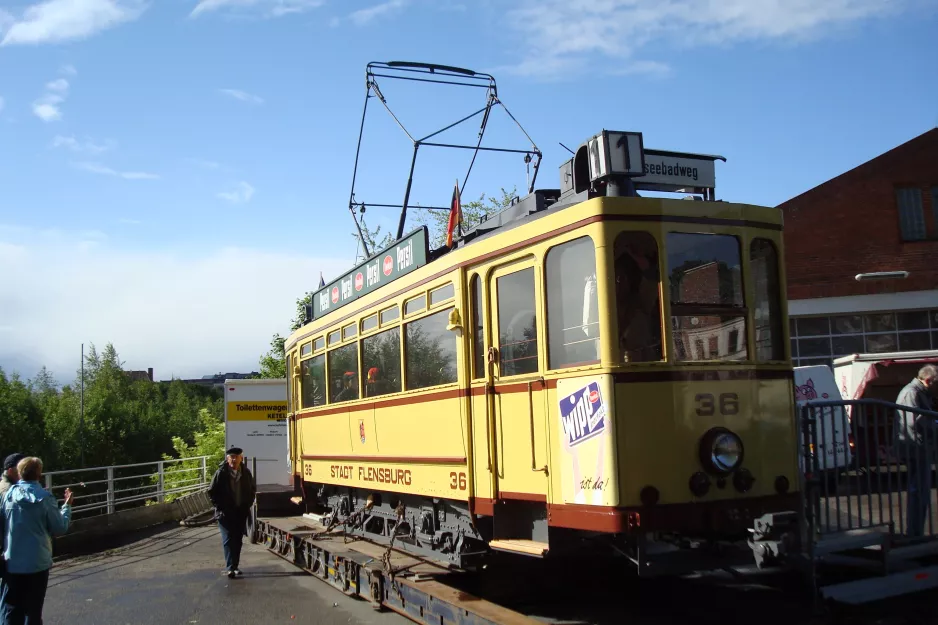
816, 384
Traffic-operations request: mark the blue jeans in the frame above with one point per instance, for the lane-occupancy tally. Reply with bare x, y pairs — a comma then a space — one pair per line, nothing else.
22, 597
919, 476
232, 535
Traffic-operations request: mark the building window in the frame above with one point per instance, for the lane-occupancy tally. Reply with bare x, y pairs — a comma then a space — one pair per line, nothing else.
638, 303
934, 203
911, 215
572, 306
430, 351
381, 362
821, 340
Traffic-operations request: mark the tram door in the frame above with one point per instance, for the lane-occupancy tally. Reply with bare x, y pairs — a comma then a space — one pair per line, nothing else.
518, 401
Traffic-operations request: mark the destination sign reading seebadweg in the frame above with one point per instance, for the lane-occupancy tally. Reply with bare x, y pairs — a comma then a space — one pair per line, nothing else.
386, 266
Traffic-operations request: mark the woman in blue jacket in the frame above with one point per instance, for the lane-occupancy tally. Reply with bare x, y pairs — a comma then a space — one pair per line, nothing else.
29, 518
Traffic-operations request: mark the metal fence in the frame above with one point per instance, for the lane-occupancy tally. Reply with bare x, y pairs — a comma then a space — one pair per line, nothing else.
105, 490
869, 465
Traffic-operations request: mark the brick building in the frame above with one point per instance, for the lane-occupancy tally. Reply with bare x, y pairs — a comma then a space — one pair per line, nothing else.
881, 216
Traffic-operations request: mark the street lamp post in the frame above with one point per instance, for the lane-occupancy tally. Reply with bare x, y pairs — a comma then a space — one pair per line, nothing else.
81, 417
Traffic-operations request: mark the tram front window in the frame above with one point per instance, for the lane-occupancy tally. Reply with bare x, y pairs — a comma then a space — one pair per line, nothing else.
638, 305
708, 314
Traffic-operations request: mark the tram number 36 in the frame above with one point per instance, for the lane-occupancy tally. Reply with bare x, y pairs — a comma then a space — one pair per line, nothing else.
457, 481
728, 404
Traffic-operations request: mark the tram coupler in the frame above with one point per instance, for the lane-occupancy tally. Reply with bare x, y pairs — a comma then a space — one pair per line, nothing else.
773, 537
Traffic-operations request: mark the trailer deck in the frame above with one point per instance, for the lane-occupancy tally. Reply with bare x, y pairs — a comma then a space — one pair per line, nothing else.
411, 586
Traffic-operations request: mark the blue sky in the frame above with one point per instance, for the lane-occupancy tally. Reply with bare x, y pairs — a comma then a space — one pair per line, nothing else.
174, 174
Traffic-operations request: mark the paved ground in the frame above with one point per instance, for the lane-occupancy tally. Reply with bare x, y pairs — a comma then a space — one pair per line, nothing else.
175, 577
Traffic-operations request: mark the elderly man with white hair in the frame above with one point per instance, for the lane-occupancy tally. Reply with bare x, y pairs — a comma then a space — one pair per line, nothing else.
916, 440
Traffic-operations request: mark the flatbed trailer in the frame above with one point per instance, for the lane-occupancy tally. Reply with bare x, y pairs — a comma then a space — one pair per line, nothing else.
387, 578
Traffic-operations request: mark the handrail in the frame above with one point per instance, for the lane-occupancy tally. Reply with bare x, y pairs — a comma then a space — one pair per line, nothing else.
165, 480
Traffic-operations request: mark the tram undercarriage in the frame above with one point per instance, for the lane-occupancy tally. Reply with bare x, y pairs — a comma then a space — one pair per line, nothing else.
436, 528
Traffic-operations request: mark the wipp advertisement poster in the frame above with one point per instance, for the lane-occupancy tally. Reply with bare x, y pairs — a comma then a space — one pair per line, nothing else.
587, 434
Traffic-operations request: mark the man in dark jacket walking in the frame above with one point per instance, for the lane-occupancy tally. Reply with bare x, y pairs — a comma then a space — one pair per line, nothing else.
232, 493
916, 440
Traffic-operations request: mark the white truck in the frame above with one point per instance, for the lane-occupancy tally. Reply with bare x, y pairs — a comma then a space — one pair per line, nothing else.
813, 384
256, 421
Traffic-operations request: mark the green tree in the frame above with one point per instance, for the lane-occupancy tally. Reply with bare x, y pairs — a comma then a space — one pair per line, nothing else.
273, 364
375, 240
473, 213
208, 441
21, 418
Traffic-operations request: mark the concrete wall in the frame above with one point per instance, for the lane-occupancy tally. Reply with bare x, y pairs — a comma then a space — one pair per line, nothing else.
86, 534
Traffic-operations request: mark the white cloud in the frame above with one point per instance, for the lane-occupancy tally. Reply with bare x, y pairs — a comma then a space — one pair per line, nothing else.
198, 162
104, 285
364, 16
2, 103
59, 84
69, 70
563, 35
104, 170
132, 222
47, 108
244, 96
88, 145
242, 194
65, 20
270, 8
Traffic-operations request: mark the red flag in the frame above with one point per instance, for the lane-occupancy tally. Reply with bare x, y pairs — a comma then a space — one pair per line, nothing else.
455, 216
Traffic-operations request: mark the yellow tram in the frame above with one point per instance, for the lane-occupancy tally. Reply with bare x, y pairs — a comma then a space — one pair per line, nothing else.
584, 365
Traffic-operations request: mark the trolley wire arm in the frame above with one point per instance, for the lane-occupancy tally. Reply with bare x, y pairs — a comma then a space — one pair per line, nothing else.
439, 82
484, 109
435, 208
472, 147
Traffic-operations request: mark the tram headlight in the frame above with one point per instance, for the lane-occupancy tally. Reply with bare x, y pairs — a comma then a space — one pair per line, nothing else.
721, 451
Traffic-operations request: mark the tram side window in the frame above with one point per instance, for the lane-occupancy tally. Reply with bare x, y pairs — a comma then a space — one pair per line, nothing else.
343, 373
638, 300
706, 288
517, 324
430, 351
381, 362
572, 305
763, 262
289, 383
313, 381
478, 335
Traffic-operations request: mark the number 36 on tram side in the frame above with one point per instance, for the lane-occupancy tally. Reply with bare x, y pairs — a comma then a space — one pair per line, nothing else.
587, 365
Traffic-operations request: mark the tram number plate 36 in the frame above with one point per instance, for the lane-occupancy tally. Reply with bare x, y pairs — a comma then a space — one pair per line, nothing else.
707, 405
457, 481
